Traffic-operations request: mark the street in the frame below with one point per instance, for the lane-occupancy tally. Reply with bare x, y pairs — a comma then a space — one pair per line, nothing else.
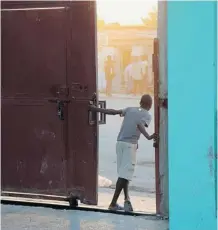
142, 188
31, 218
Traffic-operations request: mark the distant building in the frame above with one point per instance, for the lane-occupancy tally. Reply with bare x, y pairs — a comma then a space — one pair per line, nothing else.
122, 42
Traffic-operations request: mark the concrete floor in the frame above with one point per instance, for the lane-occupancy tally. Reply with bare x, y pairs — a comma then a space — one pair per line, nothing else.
142, 188
142, 202
30, 218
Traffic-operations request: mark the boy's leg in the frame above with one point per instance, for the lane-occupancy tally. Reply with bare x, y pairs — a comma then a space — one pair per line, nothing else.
126, 190
121, 184
126, 154
127, 203
119, 187
120, 181
129, 162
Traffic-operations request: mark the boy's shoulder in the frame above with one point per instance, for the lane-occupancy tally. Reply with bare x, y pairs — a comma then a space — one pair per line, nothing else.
131, 109
143, 113
137, 113
138, 110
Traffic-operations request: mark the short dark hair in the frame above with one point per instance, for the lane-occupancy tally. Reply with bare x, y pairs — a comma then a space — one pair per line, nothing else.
146, 99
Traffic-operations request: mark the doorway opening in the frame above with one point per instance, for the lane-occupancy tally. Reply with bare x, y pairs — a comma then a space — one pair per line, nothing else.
126, 40
122, 43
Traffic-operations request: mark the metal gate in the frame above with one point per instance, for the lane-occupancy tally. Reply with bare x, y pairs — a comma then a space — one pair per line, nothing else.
49, 142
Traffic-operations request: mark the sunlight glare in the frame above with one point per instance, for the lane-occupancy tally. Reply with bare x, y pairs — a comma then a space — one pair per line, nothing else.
124, 11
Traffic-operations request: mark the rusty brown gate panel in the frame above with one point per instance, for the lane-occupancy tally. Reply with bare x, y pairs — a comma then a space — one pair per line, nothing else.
33, 61
48, 78
82, 136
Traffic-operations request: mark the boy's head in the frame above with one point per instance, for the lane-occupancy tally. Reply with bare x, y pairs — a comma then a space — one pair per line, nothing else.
146, 102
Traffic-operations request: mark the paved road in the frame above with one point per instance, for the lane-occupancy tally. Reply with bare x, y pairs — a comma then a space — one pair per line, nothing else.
30, 218
143, 184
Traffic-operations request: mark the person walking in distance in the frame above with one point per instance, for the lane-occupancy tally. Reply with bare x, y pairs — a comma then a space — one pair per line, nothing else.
134, 123
109, 74
128, 78
137, 76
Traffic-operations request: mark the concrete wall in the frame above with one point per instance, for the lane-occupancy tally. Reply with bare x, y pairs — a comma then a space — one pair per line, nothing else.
192, 85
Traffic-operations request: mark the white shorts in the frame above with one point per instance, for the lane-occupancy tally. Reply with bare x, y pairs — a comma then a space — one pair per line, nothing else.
126, 159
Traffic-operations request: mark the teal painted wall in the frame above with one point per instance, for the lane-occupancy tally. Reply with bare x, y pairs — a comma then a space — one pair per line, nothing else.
192, 86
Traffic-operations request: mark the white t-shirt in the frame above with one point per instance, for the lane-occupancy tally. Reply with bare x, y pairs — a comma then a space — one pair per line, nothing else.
137, 71
144, 66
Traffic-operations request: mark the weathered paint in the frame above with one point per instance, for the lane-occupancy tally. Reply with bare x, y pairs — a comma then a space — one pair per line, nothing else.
44, 147
163, 123
192, 85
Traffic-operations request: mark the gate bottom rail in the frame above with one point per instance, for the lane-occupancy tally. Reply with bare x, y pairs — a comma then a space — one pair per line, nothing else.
41, 198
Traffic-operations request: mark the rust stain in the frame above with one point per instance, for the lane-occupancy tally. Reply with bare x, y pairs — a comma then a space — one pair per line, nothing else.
44, 134
20, 165
44, 166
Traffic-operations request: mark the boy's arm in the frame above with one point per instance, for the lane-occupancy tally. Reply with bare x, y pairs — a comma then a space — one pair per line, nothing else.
106, 111
144, 122
143, 131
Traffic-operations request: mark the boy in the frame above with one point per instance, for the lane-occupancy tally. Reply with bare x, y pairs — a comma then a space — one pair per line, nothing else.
134, 123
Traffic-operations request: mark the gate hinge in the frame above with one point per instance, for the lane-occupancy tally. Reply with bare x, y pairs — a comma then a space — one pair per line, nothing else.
163, 102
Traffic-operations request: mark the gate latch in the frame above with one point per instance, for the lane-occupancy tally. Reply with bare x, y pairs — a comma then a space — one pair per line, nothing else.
60, 110
60, 107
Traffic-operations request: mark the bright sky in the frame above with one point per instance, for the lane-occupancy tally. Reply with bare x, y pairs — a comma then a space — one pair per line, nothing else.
124, 11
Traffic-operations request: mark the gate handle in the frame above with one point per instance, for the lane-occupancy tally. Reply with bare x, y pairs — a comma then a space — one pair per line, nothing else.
93, 116
60, 107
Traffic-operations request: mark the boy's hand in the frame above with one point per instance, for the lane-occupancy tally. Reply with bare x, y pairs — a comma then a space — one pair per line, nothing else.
155, 137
